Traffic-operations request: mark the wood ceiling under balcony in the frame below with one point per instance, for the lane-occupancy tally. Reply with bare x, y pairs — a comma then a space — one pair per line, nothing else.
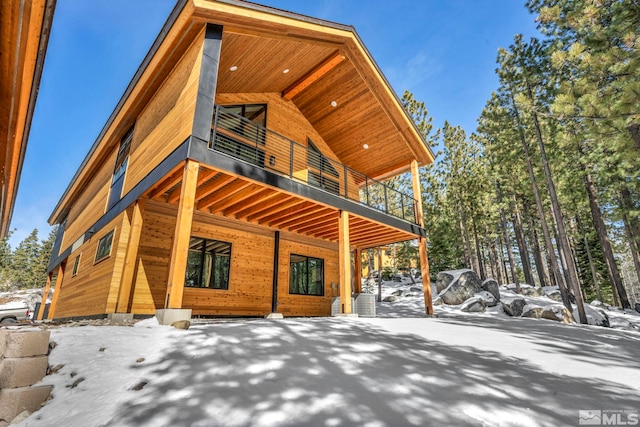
236, 197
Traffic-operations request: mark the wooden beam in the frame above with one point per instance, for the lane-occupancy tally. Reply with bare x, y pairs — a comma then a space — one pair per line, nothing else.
45, 294
344, 255
268, 202
324, 225
422, 242
256, 199
285, 209
216, 184
56, 291
303, 216
181, 236
173, 179
222, 194
123, 305
357, 270
325, 66
238, 197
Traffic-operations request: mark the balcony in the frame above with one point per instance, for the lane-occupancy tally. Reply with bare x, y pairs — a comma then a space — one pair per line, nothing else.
240, 138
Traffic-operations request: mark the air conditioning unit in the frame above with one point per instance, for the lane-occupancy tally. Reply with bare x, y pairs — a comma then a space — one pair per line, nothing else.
365, 305
335, 306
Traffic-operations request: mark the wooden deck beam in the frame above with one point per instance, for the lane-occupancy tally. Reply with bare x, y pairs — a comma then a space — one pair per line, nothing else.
123, 305
45, 294
344, 255
422, 242
260, 197
265, 204
181, 236
56, 291
223, 193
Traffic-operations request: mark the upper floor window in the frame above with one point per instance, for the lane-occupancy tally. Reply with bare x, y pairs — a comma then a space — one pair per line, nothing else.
321, 171
241, 132
104, 246
122, 159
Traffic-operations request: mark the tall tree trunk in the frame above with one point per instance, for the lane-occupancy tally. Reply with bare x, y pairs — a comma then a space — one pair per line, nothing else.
563, 240
503, 264
592, 267
537, 254
493, 259
465, 240
634, 240
522, 243
507, 240
598, 222
480, 269
553, 261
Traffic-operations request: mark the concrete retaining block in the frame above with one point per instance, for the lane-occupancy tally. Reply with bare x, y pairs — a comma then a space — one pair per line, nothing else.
14, 401
23, 371
17, 343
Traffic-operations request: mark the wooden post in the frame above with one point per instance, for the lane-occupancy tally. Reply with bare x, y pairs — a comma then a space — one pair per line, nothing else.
182, 235
56, 291
422, 242
357, 267
379, 273
45, 294
345, 263
130, 258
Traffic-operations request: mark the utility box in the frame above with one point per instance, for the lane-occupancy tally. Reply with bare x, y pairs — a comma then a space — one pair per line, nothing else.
336, 309
365, 305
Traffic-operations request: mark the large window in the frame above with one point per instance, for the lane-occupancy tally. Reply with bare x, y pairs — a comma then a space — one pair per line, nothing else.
122, 159
244, 132
321, 169
306, 275
104, 246
208, 264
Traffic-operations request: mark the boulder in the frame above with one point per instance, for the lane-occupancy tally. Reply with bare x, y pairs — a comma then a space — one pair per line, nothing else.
390, 298
532, 291
437, 301
555, 312
443, 280
514, 306
598, 304
555, 295
397, 293
464, 285
638, 307
473, 305
415, 289
488, 298
181, 324
491, 286
595, 316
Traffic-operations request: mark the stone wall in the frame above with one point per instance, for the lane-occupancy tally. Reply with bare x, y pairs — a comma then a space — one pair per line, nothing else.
23, 362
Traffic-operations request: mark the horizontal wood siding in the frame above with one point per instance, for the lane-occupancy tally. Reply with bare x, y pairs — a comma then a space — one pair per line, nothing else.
307, 305
167, 119
91, 204
164, 124
87, 293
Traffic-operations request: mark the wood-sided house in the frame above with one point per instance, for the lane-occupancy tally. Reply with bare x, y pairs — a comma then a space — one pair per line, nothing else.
25, 26
240, 173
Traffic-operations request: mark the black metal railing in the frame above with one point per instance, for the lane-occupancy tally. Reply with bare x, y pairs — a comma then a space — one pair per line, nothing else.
242, 139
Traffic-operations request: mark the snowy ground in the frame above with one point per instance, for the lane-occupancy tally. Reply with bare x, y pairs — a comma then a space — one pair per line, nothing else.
399, 369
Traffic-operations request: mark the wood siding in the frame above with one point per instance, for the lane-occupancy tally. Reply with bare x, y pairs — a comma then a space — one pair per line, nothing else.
167, 119
163, 125
90, 291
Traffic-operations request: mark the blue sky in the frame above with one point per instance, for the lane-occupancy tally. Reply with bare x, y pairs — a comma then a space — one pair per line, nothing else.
443, 51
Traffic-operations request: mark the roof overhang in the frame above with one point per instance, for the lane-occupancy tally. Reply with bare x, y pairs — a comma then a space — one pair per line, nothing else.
332, 79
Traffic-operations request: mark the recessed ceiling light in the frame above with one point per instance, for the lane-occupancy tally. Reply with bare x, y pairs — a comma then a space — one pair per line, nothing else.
235, 67
285, 71
334, 104
365, 146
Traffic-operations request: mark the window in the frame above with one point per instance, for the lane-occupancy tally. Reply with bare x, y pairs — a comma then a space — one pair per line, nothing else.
104, 247
76, 264
122, 159
318, 162
306, 275
245, 127
208, 264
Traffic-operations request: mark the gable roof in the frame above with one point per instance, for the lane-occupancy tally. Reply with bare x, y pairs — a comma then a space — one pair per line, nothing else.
331, 78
